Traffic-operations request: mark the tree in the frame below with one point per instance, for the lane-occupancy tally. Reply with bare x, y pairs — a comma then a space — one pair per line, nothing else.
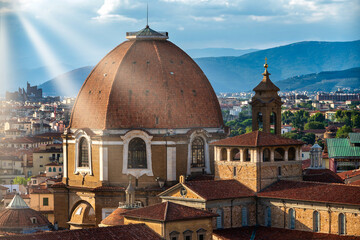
343, 132
309, 138
300, 118
287, 117
292, 135
355, 121
21, 180
318, 117
314, 125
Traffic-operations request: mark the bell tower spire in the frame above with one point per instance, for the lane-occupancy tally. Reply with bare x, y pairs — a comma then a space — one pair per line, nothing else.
266, 105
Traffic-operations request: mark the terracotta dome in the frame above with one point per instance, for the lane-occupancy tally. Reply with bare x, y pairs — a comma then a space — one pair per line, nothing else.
17, 217
146, 82
115, 218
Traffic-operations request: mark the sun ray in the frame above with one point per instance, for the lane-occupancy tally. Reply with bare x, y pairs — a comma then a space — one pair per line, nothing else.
47, 56
4, 56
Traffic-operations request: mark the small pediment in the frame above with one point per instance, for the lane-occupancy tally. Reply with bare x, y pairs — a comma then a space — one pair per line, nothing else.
180, 191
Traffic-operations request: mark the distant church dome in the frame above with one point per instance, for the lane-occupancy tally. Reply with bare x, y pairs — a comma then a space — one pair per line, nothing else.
146, 82
17, 217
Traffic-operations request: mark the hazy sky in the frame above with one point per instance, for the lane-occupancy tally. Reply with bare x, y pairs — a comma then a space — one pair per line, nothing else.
36, 33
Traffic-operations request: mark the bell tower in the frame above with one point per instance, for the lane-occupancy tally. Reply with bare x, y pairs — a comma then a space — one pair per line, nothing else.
266, 105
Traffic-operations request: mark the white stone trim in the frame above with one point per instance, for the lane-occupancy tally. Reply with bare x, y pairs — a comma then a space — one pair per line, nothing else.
65, 173
147, 139
103, 163
204, 135
152, 131
171, 164
88, 170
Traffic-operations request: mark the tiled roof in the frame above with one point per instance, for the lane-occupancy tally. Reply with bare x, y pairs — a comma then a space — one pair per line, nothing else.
168, 211
341, 148
306, 163
354, 137
108, 189
349, 174
355, 183
115, 218
128, 232
306, 148
271, 233
163, 88
266, 84
58, 185
3, 188
21, 218
321, 175
313, 192
219, 189
257, 139
53, 164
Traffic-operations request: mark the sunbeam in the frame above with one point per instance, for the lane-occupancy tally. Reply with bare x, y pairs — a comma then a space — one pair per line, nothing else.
47, 56
4, 56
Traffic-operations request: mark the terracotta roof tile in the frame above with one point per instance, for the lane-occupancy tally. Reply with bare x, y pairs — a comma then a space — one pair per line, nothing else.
146, 84
115, 218
313, 192
257, 139
321, 175
355, 183
219, 189
168, 211
271, 233
128, 232
21, 218
349, 174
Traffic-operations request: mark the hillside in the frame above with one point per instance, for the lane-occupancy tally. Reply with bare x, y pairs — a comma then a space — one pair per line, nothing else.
230, 74
243, 73
217, 52
323, 81
77, 76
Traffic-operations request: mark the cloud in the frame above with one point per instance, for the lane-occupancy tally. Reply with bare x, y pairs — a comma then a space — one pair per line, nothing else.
108, 11
209, 19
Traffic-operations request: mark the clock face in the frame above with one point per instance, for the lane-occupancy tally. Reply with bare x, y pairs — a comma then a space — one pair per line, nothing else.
183, 191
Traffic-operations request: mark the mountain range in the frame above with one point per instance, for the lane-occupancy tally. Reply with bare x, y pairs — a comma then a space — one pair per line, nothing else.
287, 63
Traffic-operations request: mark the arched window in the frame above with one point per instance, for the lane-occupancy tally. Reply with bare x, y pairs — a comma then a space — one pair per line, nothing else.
268, 217
342, 224
235, 156
279, 154
59, 169
244, 217
260, 121
54, 169
273, 122
266, 155
247, 155
219, 219
49, 169
83, 153
137, 154
292, 218
198, 153
223, 154
316, 220
291, 154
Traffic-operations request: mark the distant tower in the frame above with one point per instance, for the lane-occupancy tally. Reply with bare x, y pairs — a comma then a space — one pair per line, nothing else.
266, 105
316, 156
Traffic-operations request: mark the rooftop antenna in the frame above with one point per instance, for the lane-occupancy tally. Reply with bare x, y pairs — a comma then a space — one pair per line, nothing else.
147, 15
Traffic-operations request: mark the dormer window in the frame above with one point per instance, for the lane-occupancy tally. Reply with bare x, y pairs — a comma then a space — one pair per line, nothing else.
33, 220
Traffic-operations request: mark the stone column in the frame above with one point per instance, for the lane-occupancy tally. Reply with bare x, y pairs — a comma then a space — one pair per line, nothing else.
286, 155
272, 155
241, 155
228, 150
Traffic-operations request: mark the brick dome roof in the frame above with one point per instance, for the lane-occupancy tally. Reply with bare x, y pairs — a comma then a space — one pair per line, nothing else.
146, 82
18, 216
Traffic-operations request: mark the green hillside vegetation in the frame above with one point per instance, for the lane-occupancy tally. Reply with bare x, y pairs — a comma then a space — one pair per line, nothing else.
323, 81
232, 74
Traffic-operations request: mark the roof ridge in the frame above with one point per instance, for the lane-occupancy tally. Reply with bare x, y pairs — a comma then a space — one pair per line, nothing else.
166, 210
